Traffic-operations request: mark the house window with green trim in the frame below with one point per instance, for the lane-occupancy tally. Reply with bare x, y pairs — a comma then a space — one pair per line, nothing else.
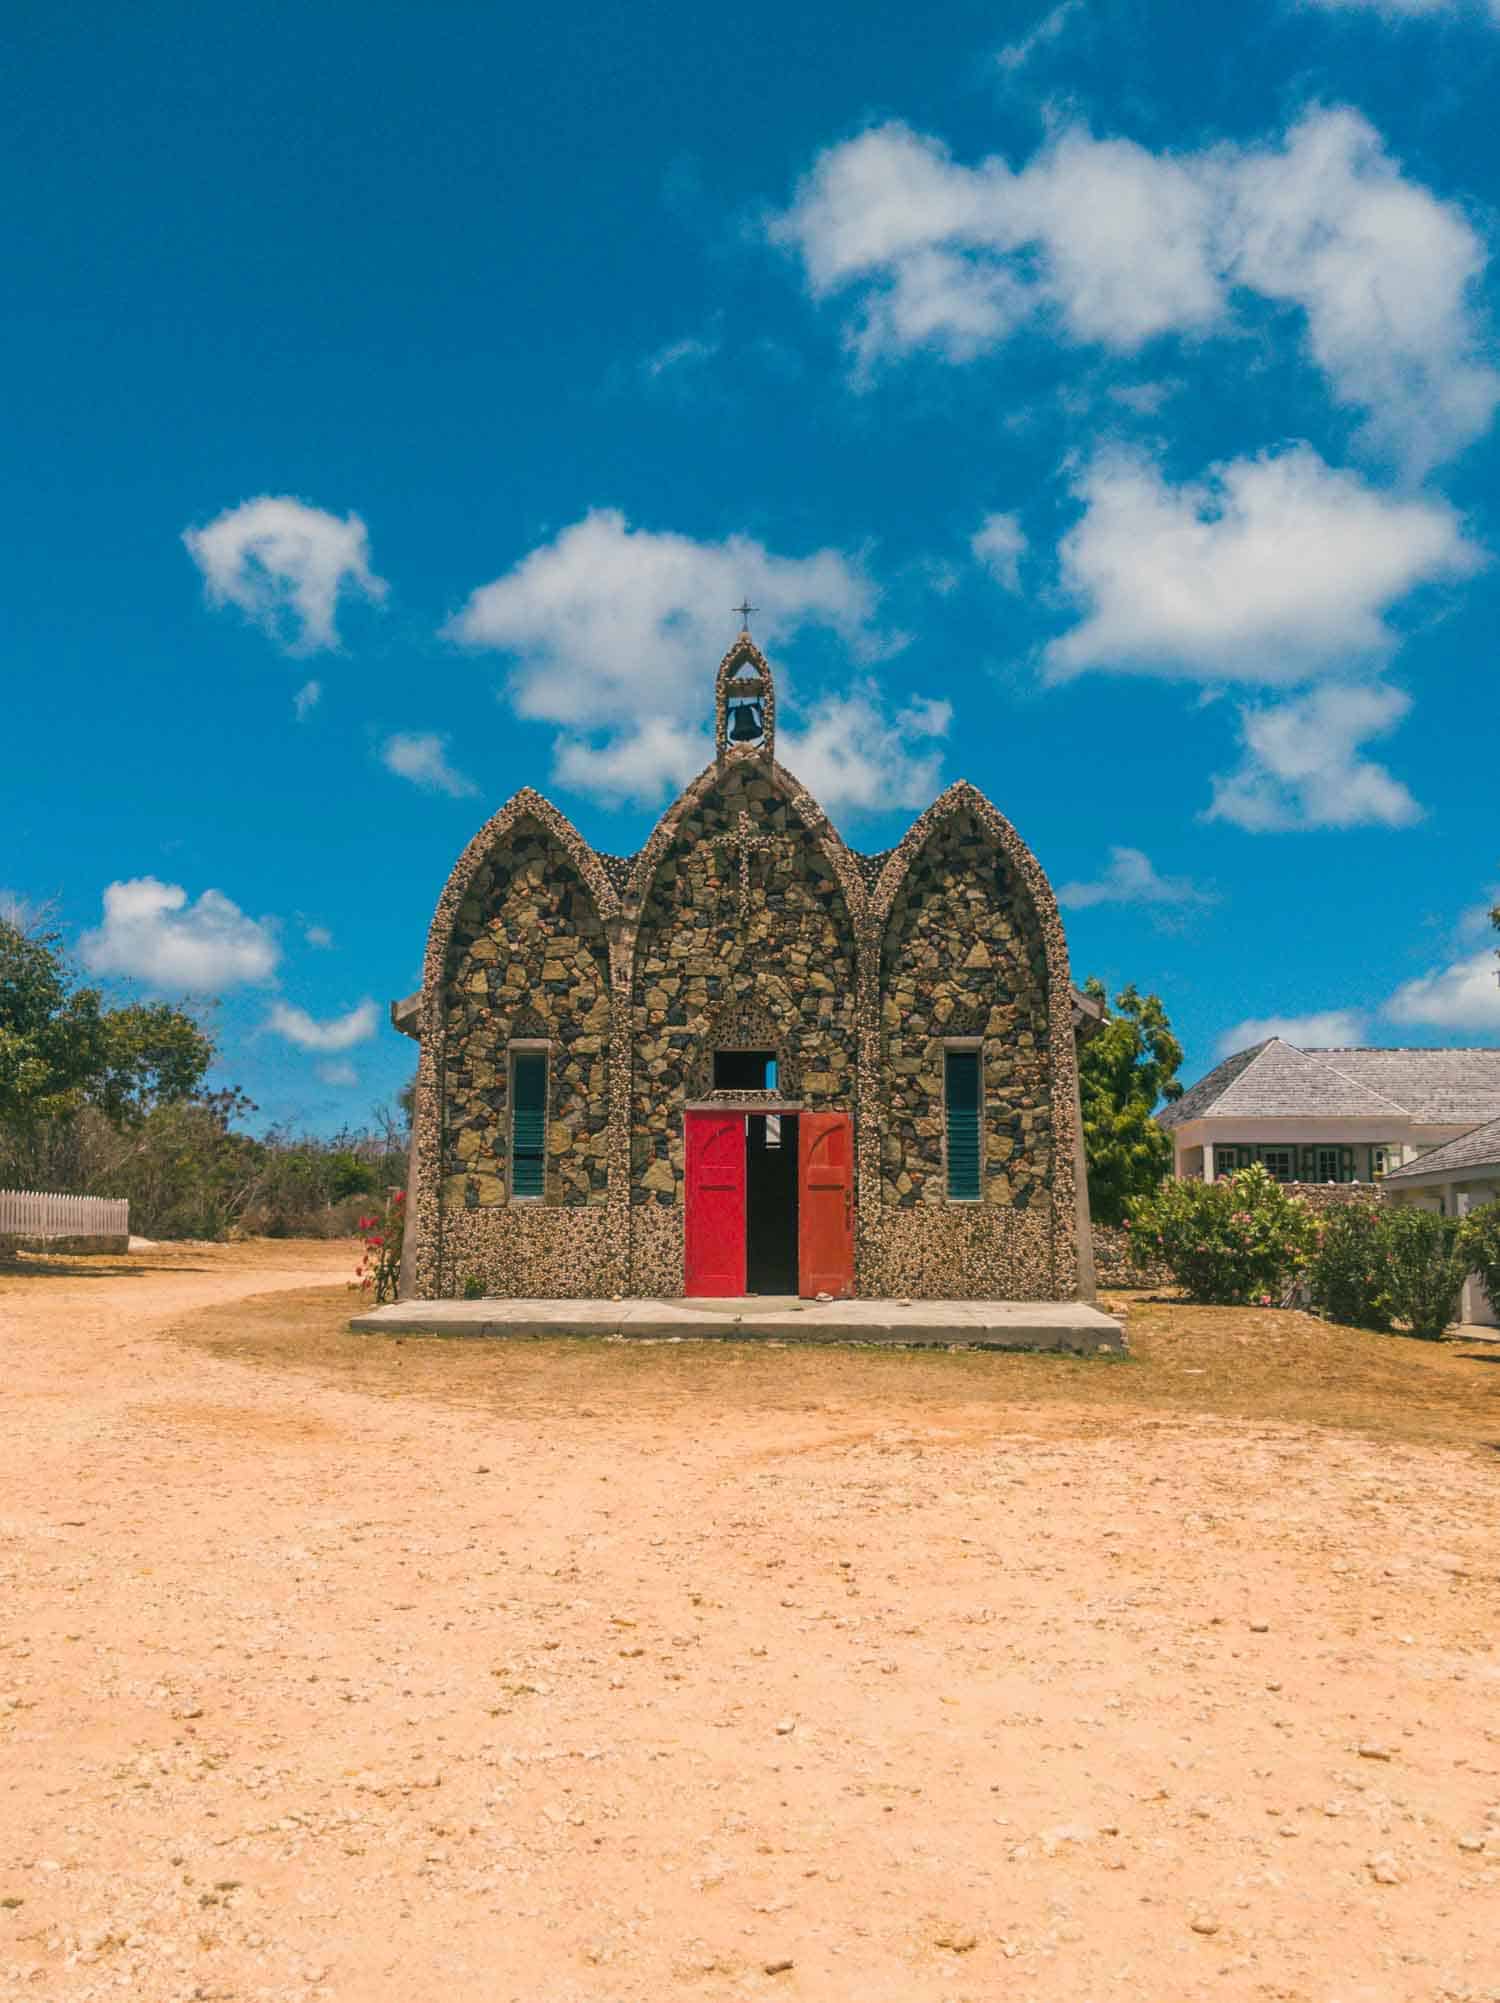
963, 1105
528, 1121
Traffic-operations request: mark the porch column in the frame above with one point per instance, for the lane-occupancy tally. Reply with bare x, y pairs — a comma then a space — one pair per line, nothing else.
1208, 1161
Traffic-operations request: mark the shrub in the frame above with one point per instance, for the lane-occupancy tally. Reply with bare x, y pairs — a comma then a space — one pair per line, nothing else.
379, 1269
1479, 1237
1349, 1279
1427, 1268
1241, 1239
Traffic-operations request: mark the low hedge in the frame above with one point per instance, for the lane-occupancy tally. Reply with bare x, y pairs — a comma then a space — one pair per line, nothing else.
1230, 1242
1383, 1264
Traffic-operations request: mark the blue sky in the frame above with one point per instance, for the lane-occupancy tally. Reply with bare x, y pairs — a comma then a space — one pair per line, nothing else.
1099, 402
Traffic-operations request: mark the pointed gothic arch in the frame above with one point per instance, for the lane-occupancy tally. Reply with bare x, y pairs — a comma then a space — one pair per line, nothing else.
790, 790
462, 1077
526, 804
1057, 1152
744, 679
965, 797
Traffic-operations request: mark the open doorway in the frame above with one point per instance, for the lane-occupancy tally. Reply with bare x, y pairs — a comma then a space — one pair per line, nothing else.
771, 1203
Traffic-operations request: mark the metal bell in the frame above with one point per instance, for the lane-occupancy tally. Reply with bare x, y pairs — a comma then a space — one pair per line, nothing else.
745, 723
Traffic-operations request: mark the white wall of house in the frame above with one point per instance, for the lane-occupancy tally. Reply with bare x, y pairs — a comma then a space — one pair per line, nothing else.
1456, 1196
1404, 1138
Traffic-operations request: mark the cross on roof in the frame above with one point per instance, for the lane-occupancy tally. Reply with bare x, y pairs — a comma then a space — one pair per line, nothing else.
744, 842
744, 611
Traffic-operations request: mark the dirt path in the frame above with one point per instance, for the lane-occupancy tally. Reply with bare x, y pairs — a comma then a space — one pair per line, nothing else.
312, 1692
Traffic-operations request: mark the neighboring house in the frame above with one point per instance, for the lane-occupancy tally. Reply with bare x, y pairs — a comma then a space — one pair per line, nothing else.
1330, 1115
1456, 1179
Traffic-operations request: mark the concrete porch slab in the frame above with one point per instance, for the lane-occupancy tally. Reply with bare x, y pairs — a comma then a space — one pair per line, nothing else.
1062, 1325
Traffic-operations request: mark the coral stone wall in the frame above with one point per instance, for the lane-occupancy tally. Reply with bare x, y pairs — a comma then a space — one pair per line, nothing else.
964, 957
528, 959
764, 959
745, 923
786, 962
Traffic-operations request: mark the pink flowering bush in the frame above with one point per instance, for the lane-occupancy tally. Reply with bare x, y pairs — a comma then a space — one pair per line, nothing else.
1350, 1277
1237, 1241
1427, 1266
379, 1268
1390, 1266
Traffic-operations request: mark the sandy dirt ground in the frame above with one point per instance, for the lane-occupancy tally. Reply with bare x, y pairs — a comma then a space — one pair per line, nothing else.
378, 1671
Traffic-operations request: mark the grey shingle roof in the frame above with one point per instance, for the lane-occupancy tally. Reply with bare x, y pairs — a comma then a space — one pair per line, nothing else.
1201, 1098
1442, 1087
1278, 1080
1479, 1149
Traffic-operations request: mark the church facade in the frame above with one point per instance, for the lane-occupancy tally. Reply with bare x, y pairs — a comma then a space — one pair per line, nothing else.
747, 1059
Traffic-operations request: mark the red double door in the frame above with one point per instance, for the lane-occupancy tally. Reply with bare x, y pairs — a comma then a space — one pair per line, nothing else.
717, 1210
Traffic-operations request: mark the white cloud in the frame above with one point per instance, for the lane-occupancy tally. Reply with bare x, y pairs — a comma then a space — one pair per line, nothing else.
306, 700
1144, 399
1384, 272
638, 764
999, 544
854, 755
152, 933
340, 1032
1463, 995
1131, 878
285, 564
614, 633
1117, 245
1475, 921
1395, 10
1302, 767
1332, 1029
1270, 570
422, 757
24, 913
338, 1072
1015, 55
318, 935
689, 352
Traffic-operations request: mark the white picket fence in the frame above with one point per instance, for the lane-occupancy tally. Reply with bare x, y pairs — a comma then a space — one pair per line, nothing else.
34, 1213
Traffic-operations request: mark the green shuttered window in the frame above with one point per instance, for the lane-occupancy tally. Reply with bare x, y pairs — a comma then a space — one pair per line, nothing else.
528, 1122
961, 1095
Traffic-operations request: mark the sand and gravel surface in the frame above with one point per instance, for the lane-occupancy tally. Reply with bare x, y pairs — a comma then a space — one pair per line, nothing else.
341, 1667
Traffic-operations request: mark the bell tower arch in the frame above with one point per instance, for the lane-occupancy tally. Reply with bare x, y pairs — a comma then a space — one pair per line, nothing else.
744, 704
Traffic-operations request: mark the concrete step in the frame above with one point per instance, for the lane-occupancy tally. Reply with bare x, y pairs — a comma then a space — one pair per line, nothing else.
1062, 1325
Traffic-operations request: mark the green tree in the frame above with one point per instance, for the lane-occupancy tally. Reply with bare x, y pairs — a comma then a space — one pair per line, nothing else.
155, 1056
1124, 1071
52, 1037
62, 1049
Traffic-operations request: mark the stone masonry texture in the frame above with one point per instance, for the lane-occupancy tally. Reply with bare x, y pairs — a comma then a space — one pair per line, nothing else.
745, 922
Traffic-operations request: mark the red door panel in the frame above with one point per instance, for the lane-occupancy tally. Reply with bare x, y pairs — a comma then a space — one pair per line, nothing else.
825, 1214
715, 1204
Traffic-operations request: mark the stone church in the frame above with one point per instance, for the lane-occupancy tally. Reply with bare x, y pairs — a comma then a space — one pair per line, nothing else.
747, 1060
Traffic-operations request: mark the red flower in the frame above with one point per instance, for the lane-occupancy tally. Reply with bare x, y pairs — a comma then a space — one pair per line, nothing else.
377, 1240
